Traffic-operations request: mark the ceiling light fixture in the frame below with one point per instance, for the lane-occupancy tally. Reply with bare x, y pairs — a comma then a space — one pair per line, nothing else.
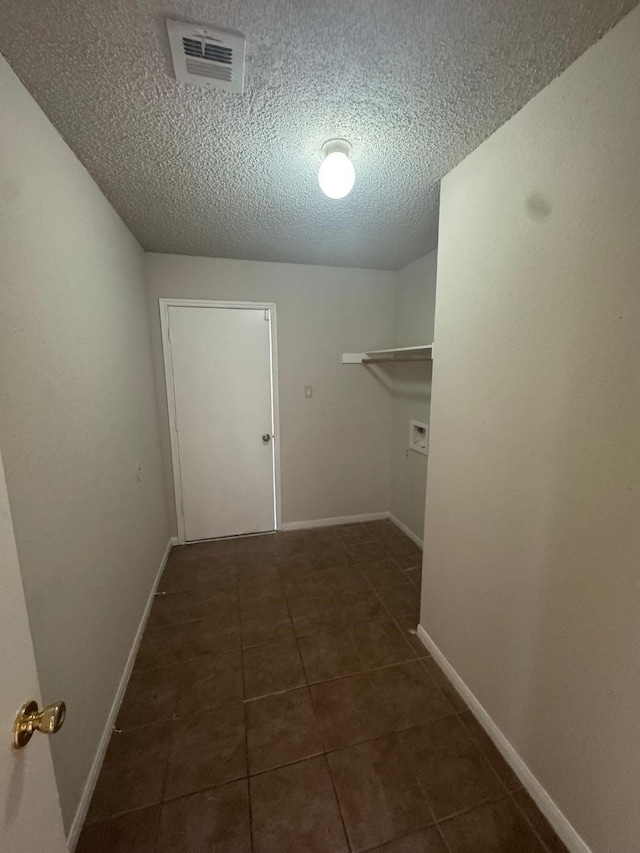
336, 175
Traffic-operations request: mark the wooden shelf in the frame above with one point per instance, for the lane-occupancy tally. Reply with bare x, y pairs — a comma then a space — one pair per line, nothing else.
424, 352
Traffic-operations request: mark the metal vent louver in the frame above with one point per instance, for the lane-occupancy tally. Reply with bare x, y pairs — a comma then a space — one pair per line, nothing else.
207, 56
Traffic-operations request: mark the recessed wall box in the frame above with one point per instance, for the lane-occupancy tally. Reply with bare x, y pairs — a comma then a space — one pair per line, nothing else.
419, 437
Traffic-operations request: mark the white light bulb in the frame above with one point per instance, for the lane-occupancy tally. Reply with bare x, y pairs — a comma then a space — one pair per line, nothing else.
336, 175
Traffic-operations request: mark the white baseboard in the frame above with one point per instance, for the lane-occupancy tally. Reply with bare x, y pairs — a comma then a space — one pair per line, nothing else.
549, 809
330, 522
402, 526
92, 778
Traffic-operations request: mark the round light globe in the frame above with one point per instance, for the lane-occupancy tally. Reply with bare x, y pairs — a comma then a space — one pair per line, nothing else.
337, 174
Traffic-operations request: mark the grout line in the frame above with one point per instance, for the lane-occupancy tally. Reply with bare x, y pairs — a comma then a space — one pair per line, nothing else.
529, 822
244, 708
338, 803
445, 843
486, 802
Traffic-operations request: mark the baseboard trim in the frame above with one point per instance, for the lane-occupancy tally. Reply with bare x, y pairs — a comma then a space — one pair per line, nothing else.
330, 522
566, 832
406, 530
92, 778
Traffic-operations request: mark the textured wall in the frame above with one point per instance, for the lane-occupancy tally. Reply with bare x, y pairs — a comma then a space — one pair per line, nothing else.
78, 412
335, 447
411, 390
414, 85
533, 499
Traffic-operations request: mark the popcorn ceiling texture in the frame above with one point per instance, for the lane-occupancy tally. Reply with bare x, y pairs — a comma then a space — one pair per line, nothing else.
414, 85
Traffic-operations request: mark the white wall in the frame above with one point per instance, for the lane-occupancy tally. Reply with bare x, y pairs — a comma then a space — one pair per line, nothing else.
411, 389
78, 412
334, 448
532, 562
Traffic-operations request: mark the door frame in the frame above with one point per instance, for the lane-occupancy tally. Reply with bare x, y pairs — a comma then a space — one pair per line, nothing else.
164, 305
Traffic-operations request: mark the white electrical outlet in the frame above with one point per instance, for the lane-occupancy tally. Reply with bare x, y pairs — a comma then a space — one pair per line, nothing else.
308, 392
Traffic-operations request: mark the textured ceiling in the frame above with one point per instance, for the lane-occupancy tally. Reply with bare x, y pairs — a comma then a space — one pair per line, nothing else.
415, 85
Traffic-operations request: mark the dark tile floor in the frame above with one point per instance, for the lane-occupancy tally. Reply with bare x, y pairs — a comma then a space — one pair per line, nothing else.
281, 703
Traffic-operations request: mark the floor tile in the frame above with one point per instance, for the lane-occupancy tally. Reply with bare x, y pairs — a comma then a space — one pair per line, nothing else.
409, 561
298, 563
381, 528
426, 841
151, 697
170, 608
346, 579
130, 833
252, 570
402, 547
314, 615
253, 573
179, 576
261, 543
491, 752
269, 669
219, 567
329, 655
214, 820
177, 643
281, 729
294, 809
449, 766
349, 710
264, 592
207, 749
410, 694
215, 605
132, 773
255, 620
538, 822
381, 643
259, 560
290, 542
382, 573
379, 797
330, 558
492, 828
401, 600
363, 606
161, 646
211, 549
321, 539
307, 583
210, 682
445, 685
215, 635
308, 602
213, 596
353, 534
263, 625
367, 552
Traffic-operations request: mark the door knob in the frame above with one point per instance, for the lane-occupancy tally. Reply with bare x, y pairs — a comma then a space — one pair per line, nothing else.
29, 719
266, 438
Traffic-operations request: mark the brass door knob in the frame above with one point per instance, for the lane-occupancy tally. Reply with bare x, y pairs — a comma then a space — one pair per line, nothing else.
29, 720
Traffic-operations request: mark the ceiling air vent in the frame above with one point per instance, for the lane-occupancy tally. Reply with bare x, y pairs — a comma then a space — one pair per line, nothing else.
207, 56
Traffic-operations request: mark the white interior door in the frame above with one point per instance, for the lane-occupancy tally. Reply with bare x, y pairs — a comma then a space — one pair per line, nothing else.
221, 392
30, 818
